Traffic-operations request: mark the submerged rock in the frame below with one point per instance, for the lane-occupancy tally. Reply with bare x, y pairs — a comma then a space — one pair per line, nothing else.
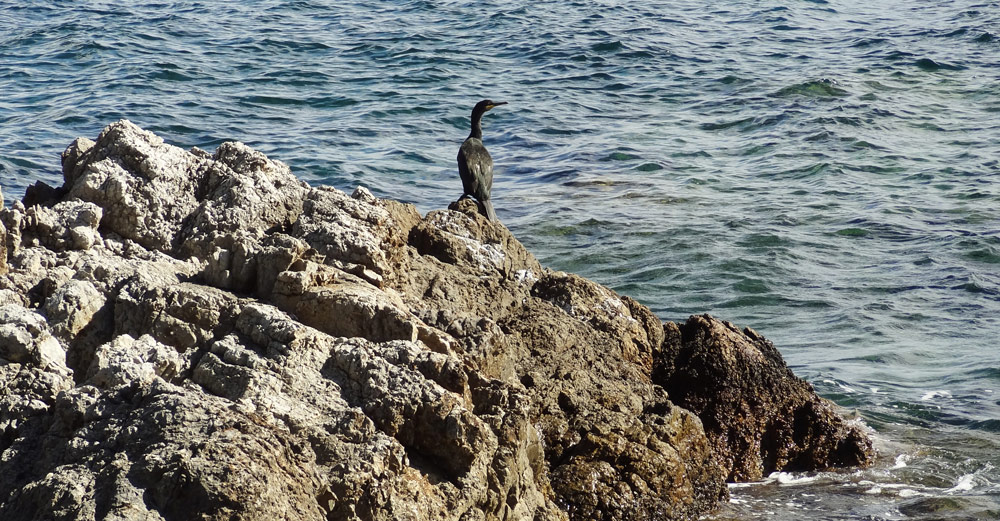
194, 336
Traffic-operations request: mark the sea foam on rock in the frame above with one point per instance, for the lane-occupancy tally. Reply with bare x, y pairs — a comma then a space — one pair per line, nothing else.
186, 335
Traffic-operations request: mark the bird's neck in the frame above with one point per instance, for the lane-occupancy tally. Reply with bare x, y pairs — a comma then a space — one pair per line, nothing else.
477, 126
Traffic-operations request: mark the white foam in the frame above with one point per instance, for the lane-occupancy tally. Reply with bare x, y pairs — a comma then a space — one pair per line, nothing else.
935, 394
901, 461
964, 484
787, 478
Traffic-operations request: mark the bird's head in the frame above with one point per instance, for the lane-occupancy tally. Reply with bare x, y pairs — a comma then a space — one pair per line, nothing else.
485, 105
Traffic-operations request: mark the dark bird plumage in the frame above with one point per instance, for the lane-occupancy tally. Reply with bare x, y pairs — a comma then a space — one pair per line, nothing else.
474, 162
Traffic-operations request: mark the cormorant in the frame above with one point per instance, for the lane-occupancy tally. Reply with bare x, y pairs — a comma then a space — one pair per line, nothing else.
475, 164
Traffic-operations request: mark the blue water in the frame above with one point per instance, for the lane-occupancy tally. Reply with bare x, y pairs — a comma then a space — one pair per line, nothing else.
823, 171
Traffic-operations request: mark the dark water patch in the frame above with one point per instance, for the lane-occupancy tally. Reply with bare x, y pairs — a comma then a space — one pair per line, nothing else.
619, 156
727, 124
927, 64
763, 240
986, 37
271, 100
813, 89
877, 168
853, 232
986, 373
697, 153
806, 171
986, 425
819, 136
758, 150
171, 75
612, 87
983, 255
751, 301
554, 131
933, 505
598, 183
649, 167
72, 120
734, 80
868, 42
645, 55
753, 286
607, 46
558, 176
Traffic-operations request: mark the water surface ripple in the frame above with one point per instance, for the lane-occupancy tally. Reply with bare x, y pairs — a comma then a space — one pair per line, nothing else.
824, 171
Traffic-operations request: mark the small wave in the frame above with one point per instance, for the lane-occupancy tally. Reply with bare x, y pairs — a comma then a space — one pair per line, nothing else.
618, 156
987, 255
986, 425
607, 46
813, 89
868, 42
732, 79
726, 124
649, 167
930, 65
853, 232
270, 100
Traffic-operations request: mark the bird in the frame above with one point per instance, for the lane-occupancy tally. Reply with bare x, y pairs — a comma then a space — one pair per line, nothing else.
475, 165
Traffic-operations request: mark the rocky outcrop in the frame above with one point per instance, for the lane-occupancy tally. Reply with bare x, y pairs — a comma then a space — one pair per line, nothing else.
186, 335
759, 417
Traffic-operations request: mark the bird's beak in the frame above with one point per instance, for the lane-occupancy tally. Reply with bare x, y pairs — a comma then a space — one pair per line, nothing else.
497, 104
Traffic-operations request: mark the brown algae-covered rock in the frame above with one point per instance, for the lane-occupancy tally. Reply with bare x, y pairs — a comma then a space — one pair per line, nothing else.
759, 416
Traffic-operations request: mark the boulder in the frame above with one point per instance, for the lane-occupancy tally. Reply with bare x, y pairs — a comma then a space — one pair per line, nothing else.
759, 417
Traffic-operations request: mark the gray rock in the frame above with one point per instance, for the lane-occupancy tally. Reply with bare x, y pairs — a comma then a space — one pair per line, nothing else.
146, 188
71, 307
67, 225
25, 339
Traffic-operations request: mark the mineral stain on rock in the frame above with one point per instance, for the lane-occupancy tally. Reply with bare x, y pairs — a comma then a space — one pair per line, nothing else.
186, 335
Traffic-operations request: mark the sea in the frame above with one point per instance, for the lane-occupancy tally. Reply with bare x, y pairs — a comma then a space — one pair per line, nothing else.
824, 171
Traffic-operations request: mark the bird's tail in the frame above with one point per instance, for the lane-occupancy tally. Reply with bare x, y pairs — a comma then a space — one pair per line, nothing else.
488, 209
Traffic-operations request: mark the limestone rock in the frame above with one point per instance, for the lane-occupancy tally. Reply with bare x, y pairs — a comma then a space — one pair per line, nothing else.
25, 339
71, 307
67, 225
129, 361
350, 232
186, 335
146, 188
